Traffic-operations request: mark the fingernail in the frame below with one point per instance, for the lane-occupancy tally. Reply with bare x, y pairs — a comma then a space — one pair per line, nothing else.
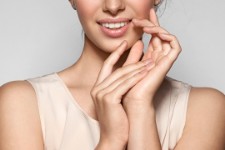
124, 42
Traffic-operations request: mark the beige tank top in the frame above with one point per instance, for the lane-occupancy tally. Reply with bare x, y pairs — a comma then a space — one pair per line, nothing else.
66, 126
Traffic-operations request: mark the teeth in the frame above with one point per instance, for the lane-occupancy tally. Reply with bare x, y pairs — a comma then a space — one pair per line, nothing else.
114, 25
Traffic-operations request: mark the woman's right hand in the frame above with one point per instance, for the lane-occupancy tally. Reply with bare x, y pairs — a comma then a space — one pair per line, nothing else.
107, 95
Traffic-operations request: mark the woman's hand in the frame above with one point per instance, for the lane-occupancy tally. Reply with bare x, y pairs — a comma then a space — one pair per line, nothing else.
163, 50
107, 94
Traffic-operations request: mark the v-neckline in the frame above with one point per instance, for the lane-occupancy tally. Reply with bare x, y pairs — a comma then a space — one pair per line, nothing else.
74, 100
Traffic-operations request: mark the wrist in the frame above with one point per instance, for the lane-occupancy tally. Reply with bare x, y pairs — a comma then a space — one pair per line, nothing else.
139, 109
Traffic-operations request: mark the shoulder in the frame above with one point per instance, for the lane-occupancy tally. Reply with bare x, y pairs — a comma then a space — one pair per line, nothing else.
207, 102
17, 93
205, 122
22, 124
16, 88
207, 99
207, 94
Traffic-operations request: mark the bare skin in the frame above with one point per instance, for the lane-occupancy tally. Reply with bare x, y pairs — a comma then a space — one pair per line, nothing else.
107, 84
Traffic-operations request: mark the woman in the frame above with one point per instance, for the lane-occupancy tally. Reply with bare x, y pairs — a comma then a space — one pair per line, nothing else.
115, 96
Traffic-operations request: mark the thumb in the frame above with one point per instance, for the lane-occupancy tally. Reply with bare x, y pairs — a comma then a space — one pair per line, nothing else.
135, 54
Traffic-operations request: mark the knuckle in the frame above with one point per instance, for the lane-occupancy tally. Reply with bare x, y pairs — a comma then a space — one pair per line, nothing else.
155, 27
93, 92
173, 57
173, 37
107, 98
180, 49
99, 95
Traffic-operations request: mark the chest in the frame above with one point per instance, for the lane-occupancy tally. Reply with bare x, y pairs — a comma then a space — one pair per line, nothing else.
83, 98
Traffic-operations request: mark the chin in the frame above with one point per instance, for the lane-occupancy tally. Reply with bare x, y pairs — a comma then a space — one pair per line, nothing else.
110, 46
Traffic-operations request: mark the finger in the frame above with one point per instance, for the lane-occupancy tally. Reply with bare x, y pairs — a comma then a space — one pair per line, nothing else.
157, 74
153, 17
172, 51
153, 20
159, 71
174, 43
110, 62
135, 54
124, 87
167, 61
148, 53
156, 41
121, 72
166, 47
123, 78
155, 45
142, 23
154, 30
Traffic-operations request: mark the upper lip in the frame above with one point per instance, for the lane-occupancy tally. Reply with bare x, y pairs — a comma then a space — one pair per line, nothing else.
113, 20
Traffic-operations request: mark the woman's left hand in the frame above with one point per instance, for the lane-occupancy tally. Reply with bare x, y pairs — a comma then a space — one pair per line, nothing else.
163, 49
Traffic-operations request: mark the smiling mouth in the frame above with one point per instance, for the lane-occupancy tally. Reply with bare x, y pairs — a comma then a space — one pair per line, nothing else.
114, 28
114, 24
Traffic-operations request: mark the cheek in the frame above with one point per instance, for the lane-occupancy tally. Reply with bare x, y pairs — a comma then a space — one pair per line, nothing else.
142, 8
82, 12
85, 13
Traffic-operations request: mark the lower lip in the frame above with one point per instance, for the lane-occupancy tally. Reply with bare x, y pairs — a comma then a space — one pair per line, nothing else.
115, 33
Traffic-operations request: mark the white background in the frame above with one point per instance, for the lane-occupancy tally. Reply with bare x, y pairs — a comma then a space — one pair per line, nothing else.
39, 37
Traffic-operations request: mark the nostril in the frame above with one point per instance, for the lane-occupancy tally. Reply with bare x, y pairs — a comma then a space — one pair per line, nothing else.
113, 7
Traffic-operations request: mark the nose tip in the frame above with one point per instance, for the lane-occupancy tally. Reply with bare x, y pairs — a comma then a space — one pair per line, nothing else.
113, 6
